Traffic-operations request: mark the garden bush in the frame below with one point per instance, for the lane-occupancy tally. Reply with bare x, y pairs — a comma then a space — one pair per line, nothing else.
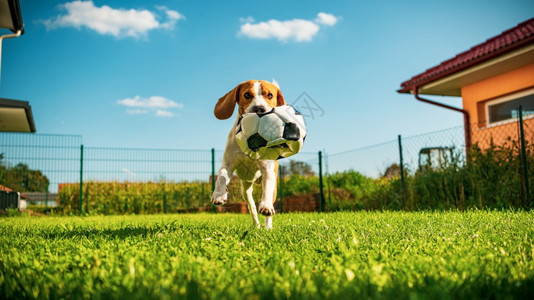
134, 197
488, 178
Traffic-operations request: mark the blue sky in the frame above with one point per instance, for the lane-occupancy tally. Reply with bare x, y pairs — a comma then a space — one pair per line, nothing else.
148, 73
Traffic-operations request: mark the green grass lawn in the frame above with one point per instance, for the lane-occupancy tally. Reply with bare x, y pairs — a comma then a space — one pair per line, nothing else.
390, 255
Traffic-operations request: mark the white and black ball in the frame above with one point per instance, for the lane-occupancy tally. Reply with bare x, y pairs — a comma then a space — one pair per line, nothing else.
276, 134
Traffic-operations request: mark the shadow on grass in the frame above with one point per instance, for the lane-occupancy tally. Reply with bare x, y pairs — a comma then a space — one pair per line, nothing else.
140, 231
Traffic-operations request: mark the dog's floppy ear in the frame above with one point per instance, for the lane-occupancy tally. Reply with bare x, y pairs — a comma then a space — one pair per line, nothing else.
280, 98
224, 108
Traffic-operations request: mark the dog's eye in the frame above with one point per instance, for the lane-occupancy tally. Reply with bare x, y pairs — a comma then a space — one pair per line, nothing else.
247, 95
270, 96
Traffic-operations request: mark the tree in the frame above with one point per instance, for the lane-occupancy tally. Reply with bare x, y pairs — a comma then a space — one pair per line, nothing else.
296, 168
392, 171
21, 178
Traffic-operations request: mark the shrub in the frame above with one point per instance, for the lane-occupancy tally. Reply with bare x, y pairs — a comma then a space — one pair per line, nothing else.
134, 197
300, 184
488, 178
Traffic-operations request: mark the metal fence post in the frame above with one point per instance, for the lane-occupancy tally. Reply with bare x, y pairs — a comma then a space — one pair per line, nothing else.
524, 166
81, 179
321, 192
281, 187
213, 175
401, 171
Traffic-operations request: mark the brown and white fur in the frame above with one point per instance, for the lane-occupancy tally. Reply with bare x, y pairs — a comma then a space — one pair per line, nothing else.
253, 96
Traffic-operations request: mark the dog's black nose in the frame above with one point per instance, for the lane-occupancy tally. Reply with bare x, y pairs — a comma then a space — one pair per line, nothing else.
258, 109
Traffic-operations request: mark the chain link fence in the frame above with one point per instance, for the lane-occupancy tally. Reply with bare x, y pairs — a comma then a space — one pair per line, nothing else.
36, 164
57, 170
435, 170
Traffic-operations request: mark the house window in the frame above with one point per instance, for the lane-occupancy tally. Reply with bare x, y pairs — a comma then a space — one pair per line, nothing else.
507, 108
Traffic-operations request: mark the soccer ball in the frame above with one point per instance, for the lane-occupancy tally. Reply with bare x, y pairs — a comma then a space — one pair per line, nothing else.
274, 135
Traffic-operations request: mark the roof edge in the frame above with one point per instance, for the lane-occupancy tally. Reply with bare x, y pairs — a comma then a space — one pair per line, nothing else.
9, 103
440, 71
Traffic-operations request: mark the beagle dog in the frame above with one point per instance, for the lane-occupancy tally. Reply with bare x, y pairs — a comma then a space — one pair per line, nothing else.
253, 96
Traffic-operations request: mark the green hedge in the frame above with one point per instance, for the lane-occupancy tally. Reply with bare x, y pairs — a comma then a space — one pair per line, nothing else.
142, 197
134, 197
490, 178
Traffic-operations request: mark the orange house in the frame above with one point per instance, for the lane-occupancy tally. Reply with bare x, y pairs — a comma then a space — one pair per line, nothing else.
493, 78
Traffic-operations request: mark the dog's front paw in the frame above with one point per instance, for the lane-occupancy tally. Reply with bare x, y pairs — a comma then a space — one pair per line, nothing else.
219, 198
266, 209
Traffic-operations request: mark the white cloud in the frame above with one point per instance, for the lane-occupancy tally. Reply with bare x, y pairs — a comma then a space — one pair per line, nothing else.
137, 111
155, 104
164, 113
326, 19
297, 29
151, 102
172, 17
248, 19
110, 21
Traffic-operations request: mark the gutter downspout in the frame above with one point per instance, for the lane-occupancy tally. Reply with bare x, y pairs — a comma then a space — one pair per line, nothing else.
7, 36
467, 123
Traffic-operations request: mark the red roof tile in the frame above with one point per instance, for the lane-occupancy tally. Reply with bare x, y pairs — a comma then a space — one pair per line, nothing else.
509, 40
4, 188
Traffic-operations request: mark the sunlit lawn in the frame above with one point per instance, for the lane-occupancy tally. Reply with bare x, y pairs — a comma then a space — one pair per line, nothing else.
310, 256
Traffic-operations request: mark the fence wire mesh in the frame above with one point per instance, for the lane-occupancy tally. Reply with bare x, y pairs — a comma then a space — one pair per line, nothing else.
145, 165
384, 159
36, 164
47, 169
